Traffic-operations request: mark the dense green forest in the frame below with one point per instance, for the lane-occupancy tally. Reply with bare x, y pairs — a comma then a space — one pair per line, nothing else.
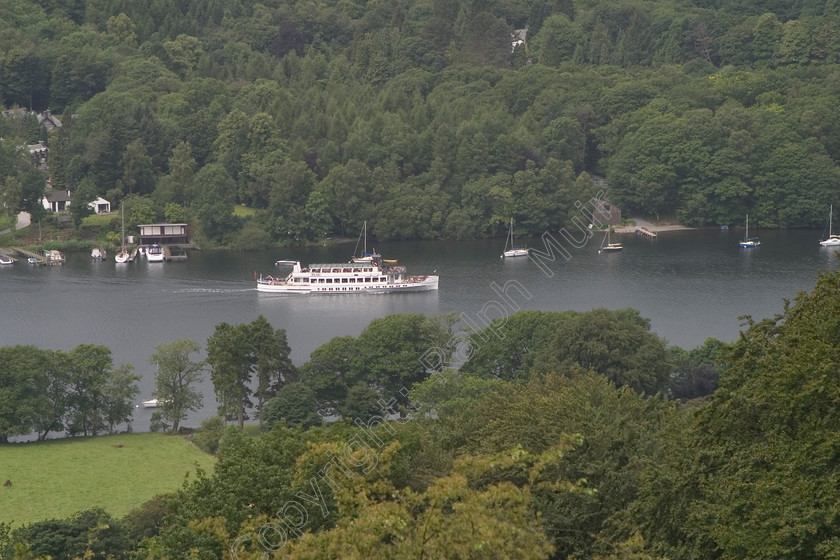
420, 116
556, 439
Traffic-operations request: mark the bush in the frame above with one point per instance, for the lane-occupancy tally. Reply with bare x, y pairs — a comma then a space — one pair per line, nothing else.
209, 435
147, 520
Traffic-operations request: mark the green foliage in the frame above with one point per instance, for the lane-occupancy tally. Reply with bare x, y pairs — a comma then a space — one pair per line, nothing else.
616, 344
697, 371
175, 379
769, 434
362, 402
148, 519
211, 432
293, 406
235, 353
505, 349
326, 117
89, 534
389, 350
44, 391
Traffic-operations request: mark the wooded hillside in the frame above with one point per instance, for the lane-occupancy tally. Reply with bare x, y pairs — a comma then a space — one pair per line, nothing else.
420, 116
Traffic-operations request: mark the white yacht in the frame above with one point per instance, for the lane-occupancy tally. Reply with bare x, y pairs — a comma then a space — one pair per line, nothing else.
155, 253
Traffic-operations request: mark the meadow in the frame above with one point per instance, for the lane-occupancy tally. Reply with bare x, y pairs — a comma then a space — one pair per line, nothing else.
55, 479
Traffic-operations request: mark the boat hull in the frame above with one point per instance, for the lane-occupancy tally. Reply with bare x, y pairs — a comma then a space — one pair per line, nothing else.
831, 242
513, 253
155, 254
414, 284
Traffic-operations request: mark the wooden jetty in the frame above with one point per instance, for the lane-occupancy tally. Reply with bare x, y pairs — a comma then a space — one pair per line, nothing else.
174, 253
41, 258
645, 232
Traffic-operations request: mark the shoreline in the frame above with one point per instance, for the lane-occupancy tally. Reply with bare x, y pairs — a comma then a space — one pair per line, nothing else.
653, 228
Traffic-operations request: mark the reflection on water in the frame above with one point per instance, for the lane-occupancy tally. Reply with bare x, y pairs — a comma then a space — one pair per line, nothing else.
691, 284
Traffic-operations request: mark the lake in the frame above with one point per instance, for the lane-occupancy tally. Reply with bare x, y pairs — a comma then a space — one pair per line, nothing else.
691, 284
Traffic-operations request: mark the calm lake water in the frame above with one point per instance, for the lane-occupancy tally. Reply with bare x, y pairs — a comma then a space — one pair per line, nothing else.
690, 284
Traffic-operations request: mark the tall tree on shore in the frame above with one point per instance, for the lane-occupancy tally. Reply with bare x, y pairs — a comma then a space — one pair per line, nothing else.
273, 367
230, 360
175, 379
235, 353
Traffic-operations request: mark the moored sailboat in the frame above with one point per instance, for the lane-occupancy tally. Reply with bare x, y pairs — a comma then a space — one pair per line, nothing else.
365, 256
123, 255
511, 250
608, 245
831, 240
749, 242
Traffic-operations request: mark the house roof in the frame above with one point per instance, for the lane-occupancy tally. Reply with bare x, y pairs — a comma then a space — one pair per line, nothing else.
48, 118
58, 196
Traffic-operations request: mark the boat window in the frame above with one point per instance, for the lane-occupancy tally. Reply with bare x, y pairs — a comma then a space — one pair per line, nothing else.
329, 280
344, 280
382, 279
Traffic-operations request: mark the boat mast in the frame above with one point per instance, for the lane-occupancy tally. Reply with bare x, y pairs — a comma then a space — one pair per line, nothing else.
510, 235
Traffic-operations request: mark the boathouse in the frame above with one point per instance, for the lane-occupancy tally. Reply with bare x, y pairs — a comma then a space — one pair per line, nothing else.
163, 234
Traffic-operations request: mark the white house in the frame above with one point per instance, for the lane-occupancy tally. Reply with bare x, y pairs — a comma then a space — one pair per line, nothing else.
57, 201
100, 206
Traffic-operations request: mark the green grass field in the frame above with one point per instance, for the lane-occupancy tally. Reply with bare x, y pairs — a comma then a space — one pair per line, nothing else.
243, 211
55, 479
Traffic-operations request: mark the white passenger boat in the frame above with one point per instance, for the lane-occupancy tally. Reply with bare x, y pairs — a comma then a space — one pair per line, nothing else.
343, 278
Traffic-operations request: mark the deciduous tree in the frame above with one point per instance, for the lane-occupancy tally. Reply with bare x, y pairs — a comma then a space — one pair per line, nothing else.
175, 380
